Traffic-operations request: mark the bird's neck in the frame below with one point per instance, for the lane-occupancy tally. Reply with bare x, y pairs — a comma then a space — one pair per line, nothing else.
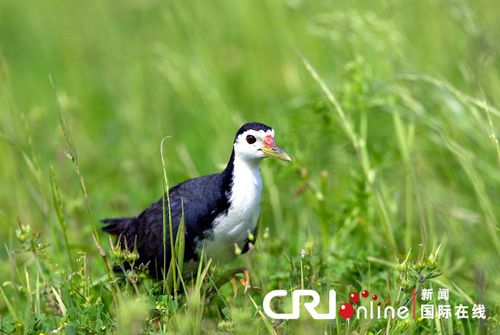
243, 175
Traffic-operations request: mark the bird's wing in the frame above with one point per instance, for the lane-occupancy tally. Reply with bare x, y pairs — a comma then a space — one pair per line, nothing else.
198, 201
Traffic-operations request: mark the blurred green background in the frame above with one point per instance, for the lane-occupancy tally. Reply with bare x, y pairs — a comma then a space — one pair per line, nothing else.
413, 165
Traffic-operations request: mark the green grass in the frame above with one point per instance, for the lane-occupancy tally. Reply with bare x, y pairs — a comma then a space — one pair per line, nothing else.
390, 110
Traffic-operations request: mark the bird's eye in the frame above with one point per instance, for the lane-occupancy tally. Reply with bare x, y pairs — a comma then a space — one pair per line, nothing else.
251, 139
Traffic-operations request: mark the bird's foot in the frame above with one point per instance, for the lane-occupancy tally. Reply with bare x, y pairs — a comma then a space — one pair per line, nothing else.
234, 277
245, 282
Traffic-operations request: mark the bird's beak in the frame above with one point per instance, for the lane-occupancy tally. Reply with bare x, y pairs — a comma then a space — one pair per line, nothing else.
270, 149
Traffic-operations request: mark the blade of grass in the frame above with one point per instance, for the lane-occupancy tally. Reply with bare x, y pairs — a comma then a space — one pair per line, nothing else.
11, 309
58, 207
167, 273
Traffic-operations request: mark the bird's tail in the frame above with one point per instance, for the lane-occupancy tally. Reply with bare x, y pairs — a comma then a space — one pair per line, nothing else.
117, 226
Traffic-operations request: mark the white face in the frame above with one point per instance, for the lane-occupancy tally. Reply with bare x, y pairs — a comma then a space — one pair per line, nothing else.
250, 144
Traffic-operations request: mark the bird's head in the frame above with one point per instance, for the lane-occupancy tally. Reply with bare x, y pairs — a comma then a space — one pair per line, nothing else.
255, 141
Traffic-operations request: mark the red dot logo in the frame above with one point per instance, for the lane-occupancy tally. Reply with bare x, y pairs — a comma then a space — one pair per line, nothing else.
354, 297
346, 311
365, 293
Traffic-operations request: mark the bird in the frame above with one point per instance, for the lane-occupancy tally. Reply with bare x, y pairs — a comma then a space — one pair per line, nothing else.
220, 211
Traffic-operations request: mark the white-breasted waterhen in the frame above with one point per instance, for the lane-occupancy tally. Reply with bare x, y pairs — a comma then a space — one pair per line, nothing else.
220, 211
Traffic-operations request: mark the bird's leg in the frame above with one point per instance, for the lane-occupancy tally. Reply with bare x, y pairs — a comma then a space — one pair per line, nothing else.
246, 281
234, 285
231, 275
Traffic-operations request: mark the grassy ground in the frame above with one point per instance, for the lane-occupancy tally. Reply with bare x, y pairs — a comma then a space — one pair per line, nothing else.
389, 108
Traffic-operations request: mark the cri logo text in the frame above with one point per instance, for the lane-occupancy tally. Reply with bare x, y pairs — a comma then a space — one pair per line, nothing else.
309, 306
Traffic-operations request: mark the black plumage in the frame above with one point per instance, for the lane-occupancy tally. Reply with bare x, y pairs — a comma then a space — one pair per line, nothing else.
201, 200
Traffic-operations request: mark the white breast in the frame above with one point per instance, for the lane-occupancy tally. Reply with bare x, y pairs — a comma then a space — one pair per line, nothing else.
231, 229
